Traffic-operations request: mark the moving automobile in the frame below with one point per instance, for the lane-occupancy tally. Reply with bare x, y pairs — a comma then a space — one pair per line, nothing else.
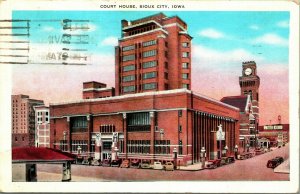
273, 163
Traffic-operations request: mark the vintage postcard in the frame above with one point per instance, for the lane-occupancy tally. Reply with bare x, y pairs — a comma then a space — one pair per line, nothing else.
136, 96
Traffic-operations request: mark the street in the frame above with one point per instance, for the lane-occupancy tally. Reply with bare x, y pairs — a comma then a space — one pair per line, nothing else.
250, 169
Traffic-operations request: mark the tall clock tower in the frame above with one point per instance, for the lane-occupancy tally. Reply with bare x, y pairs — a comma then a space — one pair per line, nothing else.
249, 83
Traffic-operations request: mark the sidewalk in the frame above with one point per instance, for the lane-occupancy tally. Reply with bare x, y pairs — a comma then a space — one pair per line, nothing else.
54, 177
284, 167
193, 167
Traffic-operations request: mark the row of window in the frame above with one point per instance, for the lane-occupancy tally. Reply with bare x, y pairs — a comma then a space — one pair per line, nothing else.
150, 43
150, 54
139, 146
162, 146
148, 86
141, 30
145, 55
41, 113
150, 64
107, 128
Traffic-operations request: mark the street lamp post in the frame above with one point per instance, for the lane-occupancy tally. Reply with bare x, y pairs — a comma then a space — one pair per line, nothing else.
236, 149
203, 153
175, 158
226, 148
64, 143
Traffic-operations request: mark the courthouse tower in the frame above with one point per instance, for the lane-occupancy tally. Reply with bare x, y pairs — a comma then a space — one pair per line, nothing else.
153, 54
249, 83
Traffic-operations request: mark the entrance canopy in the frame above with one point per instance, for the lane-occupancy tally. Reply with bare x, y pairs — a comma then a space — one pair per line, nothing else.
40, 155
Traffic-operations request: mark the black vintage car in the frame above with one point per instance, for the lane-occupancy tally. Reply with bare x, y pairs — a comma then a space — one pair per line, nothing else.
273, 163
116, 163
106, 163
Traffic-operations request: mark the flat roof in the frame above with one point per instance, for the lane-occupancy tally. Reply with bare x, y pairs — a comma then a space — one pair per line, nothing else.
153, 93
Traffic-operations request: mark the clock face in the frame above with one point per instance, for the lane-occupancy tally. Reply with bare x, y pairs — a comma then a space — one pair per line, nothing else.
248, 71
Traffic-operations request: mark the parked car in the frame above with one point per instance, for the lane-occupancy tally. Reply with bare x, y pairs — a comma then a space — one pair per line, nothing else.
87, 161
211, 164
225, 160
231, 159
158, 166
79, 160
145, 164
106, 162
169, 166
96, 162
125, 164
116, 163
135, 163
273, 163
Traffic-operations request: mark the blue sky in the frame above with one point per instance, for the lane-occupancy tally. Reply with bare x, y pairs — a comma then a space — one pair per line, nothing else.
222, 40
262, 34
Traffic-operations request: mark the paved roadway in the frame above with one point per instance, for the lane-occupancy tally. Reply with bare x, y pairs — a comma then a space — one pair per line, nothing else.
250, 169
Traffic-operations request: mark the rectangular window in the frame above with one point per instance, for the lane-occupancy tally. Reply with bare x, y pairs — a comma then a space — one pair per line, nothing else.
149, 75
139, 146
185, 65
128, 58
128, 78
180, 147
128, 88
149, 43
185, 44
79, 124
185, 54
162, 146
128, 48
129, 68
149, 64
185, 76
185, 86
149, 53
149, 86
166, 65
166, 75
142, 118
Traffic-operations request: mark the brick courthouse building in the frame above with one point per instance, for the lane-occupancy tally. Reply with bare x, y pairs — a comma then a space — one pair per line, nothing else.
152, 113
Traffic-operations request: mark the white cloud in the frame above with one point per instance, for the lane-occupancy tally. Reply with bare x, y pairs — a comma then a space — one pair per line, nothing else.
110, 41
283, 24
254, 27
212, 59
211, 33
271, 39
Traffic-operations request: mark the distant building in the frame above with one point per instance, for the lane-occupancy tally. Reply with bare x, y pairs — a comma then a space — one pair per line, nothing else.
42, 126
248, 103
93, 89
23, 120
277, 134
247, 120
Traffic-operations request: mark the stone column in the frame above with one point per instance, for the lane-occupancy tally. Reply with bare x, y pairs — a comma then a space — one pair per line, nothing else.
125, 133
69, 131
